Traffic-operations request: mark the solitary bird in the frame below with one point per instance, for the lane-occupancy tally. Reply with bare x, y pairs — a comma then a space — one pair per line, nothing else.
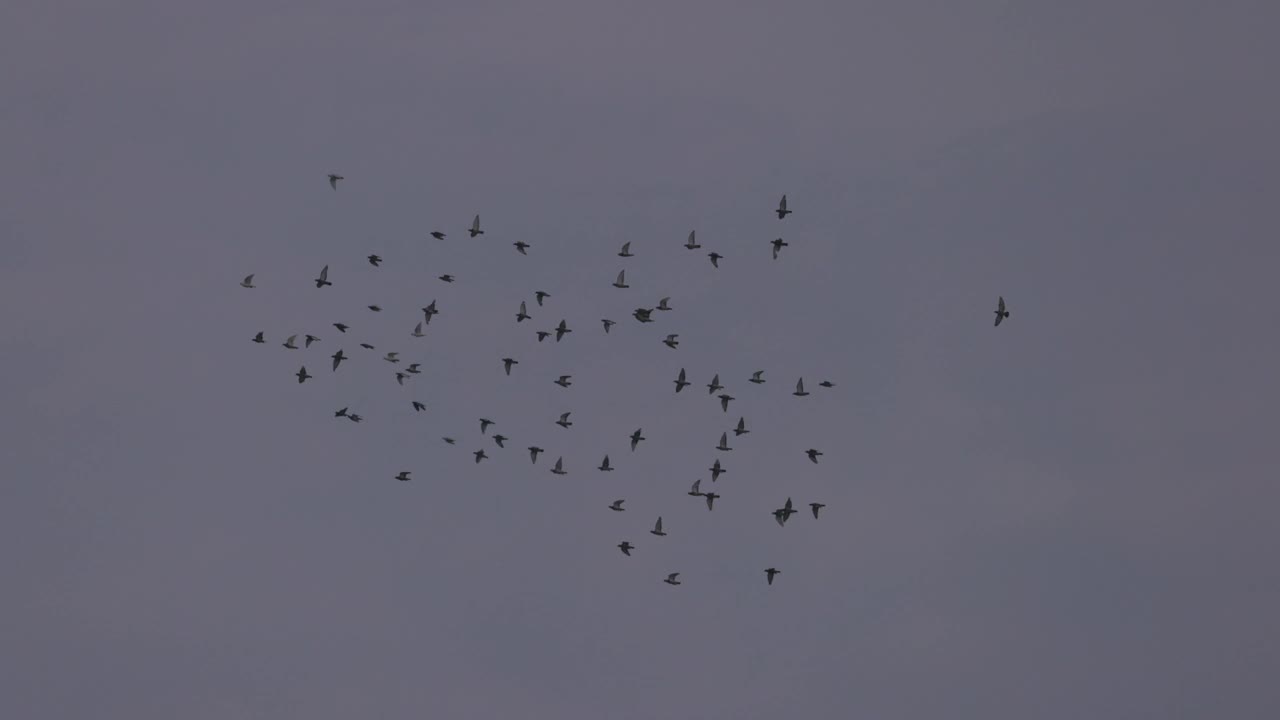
724, 402
523, 314
1001, 313
507, 363
247, 281
539, 295
559, 468
446, 278
608, 324
691, 243
563, 381
626, 250
662, 304
604, 466
418, 407
374, 260
309, 339
714, 385
564, 420
375, 308
626, 548
480, 455
783, 212
800, 391
671, 579
258, 338
711, 498
403, 476
813, 455
324, 277
302, 375
777, 246
561, 329
449, 440
289, 342
341, 327
499, 439
616, 506
333, 180
716, 470
771, 572
621, 282
338, 357
694, 491
437, 234
521, 246
671, 341
484, 425
816, 507
636, 437
475, 227
680, 381
657, 528
533, 453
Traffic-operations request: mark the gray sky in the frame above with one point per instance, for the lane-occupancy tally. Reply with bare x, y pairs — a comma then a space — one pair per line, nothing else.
1070, 516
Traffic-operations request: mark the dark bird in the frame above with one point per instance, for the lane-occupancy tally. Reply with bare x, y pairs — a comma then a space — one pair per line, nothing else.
800, 391
480, 456
499, 439
816, 507
716, 470
338, 357
711, 498
680, 381
626, 250
563, 381
418, 407
715, 258
310, 339
341, 327
333, 180
446, 277
367, 346
539, 295
375, 308
616, 506
258, 338
626, 548
429, 311
542, 335
827, 384
608, 324
521, 246
1001, 313
564, 420
662, 304
289, 342
782, 208
302, 375
475, 227
724, 402
742, 427
657, 528
374, 260
403, 476
813, 455
449, 440
772, 571
724, 442
341, 412
324, 277
784, 513
756, 377
671, 579
400, 378
694, 491
561, 329
392, 357
642, 314
413, 368
559, 468
691, 243
533, 453
714, 385
636, 437
621, 282
247, 281
355, 418
507, 363
604, 465
671, 341
437, 234
777, 246
523, 314
484, 425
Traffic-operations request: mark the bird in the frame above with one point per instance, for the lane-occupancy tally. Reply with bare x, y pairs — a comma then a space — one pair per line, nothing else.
289, 342
800, 392
375, 308
437, 234
533, 453
400, 378
449, 440
403, 476
355, 418
324, 277
507, 363
413, 368
521, 246
608, 324
258, 338
813, 455
480, 455
302, 375
418, 407
716, 470
777, 246
715, 258
561, 329
783, 513
616, 506
523, 314
691, 243
642, 314
499, 439
564, 420
429, 311
694, 491
714, 385
724, 402
447, 278
756, 377
539, 295
771, 572
417, 330
626, 548
559, 468
310, 339
248, 281
711, 498
333, 180
374, 260
604, 466
662, 304
724, 442
657, 528
626, 250
636, 437
475, 227
783, 212
621, 282
671, 341
484, 425
366, 346
816, 507
338, 357
542, 335
563, 381
827, 384
680, 381
392, 357
1001, 313
340, 412
671, 579
341, 327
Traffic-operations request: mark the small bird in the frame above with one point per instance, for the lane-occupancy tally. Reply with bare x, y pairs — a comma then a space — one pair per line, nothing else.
418, 407
338, 357
437, 234
559, 468
403, 476
521, 246
258, 338
671, 579
711, 498
523, 314
392, 357
333, 180
756, 377
657, 528
542, 335
604, 466
507, 363
1001, 313
302, 375
827, 384
816, 507
564, 420
248, 281
742, 427
813, 455
616, 505
289, 342
636, 437
374, 260
484, 425
714, 385
715, 258
539, 295
716, 470
724, 442
413, 368
366, 346
782, 208
561, 329
671, 341
691, 243
430, 311
340, 412
375, 308
626, 548
499, 439
662, 304
621, 282
694, 491
784, 513
533, 453
447, 278
417, 330
800, 392
355, 418
449, 440
341, 327
310, 339
724, 402
626, 250
642, 314
777, 246
400, 378
475, 227
324, 277
480, 455
680, 381
771, 571
608, 324
563, 381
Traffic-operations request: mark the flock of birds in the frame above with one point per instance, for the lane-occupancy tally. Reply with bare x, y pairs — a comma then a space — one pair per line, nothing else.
642, 315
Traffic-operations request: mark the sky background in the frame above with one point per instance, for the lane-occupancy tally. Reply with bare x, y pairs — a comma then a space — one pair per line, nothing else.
1070, 516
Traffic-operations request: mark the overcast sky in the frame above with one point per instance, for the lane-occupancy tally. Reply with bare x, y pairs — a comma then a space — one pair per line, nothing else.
1068, 516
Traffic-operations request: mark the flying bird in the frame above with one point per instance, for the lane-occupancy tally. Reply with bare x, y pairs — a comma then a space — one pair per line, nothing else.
340, 412
533, 453
608, 324
711, 498
539, 295
777, 246
400, 378
258, 338
324, 277
724, 402
715, 258
484, 425
507, 363
662, 304
783, 212
771, 572
302, 375
616, 505
413, 368
714, 385
374, 260
1001, 313
355, 418
657, 528
338, 357
499, 439
564, 420
366, 346
333, 180
671, 579
827, 384
724, 442
480, 455
447, 278
341, 327
310, 339
418, 407
375, 308
247, 281
716, 470
449, 440
680, 381
784, 513
626, 548
626, 250
437, 234
642, 314
475, 227
561, 329
563, 381
523, 314
289, 342
521, 246
813, 455
604, 466
559, 468
621, 282
694, 491
800, 392
542, 335
392, 357
816, 507
691, 243
756, 377
417, 330
671, 341
403, 476
636, 437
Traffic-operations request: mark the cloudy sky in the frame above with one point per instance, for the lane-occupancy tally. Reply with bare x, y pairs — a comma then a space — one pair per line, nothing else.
1069, 516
